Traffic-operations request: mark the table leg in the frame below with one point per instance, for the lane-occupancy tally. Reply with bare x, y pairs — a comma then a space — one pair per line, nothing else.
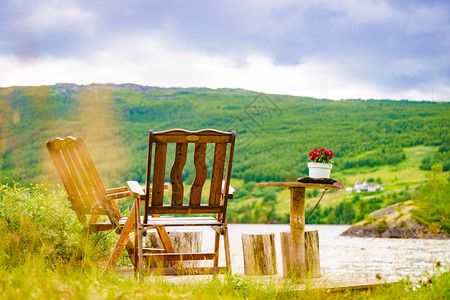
297, 224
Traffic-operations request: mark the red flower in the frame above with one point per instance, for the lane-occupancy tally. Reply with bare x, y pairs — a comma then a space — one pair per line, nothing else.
321, 156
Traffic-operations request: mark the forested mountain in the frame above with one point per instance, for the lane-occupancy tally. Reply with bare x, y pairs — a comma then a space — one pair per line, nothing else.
393, 143
274, 132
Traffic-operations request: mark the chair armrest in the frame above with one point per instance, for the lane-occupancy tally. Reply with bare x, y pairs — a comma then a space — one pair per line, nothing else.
117, 193
117, 190
135, 189
231, 190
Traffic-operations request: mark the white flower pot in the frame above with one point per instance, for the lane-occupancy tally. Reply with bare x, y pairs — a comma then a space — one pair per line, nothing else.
319, 170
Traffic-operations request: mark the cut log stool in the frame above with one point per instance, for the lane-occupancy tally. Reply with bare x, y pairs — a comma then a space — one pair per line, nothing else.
182, 242
259, 254
312, 257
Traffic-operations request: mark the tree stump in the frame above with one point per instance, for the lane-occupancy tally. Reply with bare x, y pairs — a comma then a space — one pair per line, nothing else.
182, 242
259, 254
312, 257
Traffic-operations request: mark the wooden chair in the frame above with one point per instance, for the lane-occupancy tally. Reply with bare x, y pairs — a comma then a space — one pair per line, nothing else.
90, 199
182, 203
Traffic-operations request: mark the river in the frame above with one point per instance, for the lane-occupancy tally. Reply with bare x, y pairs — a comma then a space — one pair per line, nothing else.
352, 257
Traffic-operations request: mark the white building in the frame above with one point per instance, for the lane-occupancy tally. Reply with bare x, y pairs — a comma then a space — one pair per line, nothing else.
360, 186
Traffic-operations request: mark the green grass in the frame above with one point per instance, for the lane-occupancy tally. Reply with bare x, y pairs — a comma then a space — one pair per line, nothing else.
31, 282
406, 172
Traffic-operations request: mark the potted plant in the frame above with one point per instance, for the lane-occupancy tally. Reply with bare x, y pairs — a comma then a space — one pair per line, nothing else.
321, 164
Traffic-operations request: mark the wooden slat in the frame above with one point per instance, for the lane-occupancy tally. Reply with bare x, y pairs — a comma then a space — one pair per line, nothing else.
58, 143
117, 190
117, 196
87, 181
200, 136
201, 173
179, 256
159, 174
186, 271
176, 172
185, 209
183, 221
228, 190
182, 139
152, 250
215, 194
90, 167
85, 157
95, 182
61, 167
148, 176
79, 189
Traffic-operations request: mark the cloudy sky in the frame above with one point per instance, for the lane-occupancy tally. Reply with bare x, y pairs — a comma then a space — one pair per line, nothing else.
393, 49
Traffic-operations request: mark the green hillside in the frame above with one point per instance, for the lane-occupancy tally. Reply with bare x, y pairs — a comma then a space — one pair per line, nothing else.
393, 142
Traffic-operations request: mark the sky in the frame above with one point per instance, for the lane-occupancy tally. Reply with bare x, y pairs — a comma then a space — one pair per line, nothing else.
384, 49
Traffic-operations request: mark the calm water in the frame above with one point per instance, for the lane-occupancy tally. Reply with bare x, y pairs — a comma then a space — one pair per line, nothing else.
347, 256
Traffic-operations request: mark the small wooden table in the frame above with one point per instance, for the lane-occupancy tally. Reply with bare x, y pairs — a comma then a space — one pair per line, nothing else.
297, 222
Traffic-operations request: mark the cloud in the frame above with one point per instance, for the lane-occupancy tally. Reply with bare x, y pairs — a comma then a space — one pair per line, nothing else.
335, 49
152, 62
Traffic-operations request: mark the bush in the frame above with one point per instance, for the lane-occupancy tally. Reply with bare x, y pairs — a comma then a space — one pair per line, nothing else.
36, 221
270, 196
442, 156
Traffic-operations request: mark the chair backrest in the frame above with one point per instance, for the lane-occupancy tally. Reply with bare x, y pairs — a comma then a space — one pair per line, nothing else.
81, 180
220, 170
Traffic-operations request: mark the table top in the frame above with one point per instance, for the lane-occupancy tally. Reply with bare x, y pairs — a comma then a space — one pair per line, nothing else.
296, 184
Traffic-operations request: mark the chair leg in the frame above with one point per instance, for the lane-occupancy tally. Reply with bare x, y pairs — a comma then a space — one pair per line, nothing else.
124, 240
227, 248
138, 251
164, 239
130, 249
216, 249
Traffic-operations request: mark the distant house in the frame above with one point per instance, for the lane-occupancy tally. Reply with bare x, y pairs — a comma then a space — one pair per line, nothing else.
360, 186
374, 187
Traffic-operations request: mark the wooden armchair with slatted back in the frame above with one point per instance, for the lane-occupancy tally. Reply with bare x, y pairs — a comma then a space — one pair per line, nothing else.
185, 203
89, 197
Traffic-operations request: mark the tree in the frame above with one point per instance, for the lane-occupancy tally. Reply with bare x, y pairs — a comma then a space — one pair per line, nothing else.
433, 202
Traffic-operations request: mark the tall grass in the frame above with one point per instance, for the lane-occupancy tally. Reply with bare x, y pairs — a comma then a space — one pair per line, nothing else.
36, 221
39, 234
